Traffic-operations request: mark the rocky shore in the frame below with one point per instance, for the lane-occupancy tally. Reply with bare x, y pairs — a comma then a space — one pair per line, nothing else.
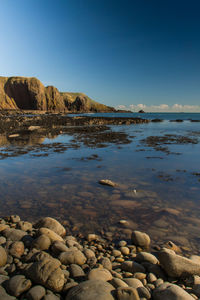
43, 261
14, 122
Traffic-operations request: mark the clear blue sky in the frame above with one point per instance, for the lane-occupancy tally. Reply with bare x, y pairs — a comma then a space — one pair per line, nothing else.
118, 52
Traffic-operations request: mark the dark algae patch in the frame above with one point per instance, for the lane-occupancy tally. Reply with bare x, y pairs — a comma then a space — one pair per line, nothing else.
158, 142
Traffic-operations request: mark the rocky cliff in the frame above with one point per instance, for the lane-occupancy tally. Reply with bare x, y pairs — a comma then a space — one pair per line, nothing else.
30, 94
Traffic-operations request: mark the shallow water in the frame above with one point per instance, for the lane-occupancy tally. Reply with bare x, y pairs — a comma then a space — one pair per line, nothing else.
58, 176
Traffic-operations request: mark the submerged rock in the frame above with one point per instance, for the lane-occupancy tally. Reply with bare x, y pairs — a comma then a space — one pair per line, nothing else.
107, 182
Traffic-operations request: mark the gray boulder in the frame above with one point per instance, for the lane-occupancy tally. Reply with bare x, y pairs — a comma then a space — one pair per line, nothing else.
45, 270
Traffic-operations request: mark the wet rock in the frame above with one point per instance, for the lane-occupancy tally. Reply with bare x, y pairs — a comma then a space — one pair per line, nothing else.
4, 295
127, 293
170, 291
72, 257
107, 182
100, 274
17, 249
140, 239
145, 256
43, 242
51, 234
46, 272
3, 256
36, 293
176, 265
52, 224
90, 290
17, 285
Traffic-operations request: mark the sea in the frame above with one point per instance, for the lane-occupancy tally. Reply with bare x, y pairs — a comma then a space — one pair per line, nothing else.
156, 171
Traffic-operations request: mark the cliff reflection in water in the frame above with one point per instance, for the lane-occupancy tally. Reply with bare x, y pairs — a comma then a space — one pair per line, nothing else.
23, 140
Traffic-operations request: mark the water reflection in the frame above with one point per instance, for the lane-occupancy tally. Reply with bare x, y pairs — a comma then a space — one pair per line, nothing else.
157, 196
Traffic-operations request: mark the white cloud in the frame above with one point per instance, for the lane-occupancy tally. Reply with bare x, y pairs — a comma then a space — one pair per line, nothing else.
121, 107
141, 106
161, 107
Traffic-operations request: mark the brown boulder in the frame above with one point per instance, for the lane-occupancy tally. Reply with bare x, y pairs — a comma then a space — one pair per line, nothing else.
45, 270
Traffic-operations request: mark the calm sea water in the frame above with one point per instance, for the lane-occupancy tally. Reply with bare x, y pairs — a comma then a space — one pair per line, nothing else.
64, 184
150, 116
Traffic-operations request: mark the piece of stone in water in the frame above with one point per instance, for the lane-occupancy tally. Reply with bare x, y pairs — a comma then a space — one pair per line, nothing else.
107, 182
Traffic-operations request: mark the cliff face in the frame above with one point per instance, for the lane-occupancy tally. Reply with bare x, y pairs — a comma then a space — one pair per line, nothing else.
30, 94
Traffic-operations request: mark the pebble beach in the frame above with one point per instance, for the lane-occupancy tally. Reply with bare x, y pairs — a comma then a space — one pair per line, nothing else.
43, 261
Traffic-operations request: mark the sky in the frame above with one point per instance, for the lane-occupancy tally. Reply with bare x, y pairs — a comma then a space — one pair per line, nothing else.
130, 54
